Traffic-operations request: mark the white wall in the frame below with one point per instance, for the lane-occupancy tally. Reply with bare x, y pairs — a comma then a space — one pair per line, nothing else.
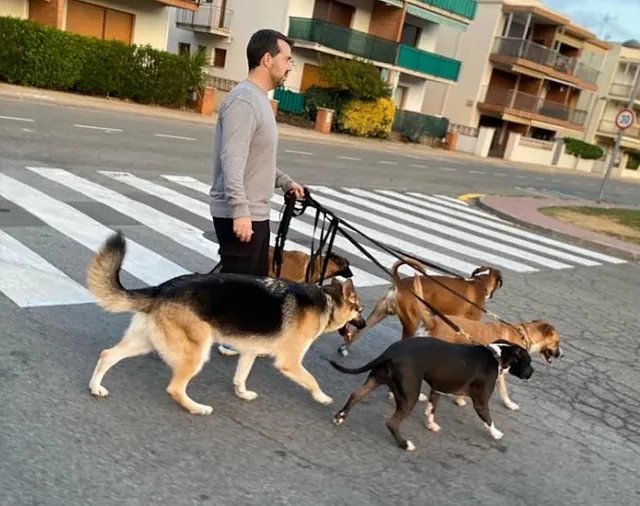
458, 101
248, 17
14, 8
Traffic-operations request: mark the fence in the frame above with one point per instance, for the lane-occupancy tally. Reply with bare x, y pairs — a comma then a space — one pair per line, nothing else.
416, 124
289, 101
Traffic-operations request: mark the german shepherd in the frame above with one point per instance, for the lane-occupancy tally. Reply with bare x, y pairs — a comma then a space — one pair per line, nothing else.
182, 318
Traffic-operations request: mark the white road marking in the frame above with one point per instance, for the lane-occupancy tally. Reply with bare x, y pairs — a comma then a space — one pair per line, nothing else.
486, 229
294, 152
499, 174
17, 118
385, 162
521, 177
453, 200
141, 262
476, 172
179, 137
92, 127
448, 169
361, 277
418, 166
30, 281
179, 231
415, 233
444, 206
349, 158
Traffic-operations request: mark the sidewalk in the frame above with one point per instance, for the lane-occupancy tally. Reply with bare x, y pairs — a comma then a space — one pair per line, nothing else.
58, 98
524, 211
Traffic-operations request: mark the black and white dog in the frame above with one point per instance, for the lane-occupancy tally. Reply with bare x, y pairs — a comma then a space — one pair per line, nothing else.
448, 368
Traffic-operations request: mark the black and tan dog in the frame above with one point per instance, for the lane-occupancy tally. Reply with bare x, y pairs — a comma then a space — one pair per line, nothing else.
411, 312
182, 318
295, 263
537, 336
448, 368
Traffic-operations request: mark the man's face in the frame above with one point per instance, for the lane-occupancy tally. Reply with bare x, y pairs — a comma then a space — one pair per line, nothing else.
281, 64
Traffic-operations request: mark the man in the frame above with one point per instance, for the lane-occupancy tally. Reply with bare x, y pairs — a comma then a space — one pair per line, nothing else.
244, 164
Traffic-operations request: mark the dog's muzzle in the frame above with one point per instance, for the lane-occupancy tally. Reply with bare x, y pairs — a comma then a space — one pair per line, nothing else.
549, 355
345, 331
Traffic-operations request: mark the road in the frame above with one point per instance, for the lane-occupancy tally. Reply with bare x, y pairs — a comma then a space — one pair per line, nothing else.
63, 188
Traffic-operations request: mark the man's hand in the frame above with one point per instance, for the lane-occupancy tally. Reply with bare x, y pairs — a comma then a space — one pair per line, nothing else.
297, 190
243, 228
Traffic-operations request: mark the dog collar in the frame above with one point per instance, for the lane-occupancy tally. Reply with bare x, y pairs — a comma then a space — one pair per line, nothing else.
497, 354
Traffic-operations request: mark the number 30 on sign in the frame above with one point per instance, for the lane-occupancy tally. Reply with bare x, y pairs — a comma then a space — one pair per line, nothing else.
625, 119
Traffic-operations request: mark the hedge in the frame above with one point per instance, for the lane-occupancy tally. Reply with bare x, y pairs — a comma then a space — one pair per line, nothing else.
35, 55
582, 149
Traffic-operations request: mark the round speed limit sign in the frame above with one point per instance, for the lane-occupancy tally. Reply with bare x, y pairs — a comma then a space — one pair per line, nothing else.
626, 118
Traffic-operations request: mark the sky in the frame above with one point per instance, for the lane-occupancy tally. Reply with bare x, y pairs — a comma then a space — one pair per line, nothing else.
623, 23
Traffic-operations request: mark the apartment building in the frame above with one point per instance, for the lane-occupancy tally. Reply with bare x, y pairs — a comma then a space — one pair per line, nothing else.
525, 69
398, 36
137, 22
615, 85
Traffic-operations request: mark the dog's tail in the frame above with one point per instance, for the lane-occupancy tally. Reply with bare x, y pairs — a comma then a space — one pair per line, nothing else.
409, 261
103, 279
359, 370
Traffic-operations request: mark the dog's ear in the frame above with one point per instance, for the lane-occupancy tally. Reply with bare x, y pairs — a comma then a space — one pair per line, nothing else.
347, 288
546, 329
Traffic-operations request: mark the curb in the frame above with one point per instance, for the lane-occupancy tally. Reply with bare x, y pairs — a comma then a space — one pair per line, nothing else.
602, 248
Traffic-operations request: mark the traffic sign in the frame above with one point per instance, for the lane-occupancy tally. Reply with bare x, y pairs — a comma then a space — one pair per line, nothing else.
626, 118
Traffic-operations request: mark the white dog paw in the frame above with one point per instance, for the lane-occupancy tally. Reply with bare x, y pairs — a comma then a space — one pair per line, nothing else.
201, 409
410, 446
247, 395
322, 398
422, 397
512, 406
433, 426
460, 401
99, 391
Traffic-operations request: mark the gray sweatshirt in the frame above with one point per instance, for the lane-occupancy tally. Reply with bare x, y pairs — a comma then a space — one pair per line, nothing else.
244, 160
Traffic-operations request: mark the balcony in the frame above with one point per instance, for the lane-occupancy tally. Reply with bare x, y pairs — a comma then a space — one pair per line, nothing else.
191, 5
514, 102
207, 19
372, 48
622, 91
609, 127
465, 8
543, 55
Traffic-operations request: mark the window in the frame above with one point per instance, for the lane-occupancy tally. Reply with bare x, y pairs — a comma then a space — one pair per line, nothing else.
96, 21
219, 57
184, 49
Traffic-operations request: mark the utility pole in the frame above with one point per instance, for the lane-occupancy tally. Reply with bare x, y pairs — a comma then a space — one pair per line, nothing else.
616, 146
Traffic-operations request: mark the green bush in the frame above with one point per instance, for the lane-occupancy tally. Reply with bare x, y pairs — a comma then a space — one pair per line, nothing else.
36, 55
360, 79
582, 149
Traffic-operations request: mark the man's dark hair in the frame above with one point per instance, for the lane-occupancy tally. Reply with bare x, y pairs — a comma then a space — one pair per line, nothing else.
264, 41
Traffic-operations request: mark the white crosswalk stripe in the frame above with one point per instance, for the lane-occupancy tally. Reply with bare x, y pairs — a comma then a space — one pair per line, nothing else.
438, 228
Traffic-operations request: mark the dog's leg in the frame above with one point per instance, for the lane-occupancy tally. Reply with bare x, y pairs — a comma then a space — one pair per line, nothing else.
365, 389
460, 400
184, 370
293, 369
480, 397
135, 342
378, 313
245, 363
430, 411
406, 396
504, 395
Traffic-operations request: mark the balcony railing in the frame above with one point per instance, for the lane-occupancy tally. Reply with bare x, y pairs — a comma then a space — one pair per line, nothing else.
537, 53
372, 48
621, 90
514, 99
343, 39
428, 63
465, 8
609, 127
208, 17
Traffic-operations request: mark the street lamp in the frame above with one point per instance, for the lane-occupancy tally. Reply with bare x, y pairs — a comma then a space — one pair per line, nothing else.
616, 147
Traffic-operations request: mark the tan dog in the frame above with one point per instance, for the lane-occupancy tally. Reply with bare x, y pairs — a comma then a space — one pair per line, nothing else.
182, 318
294, 266
411, 312
536, 336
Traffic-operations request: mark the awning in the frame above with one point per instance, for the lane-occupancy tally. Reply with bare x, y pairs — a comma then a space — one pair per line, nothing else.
427, 15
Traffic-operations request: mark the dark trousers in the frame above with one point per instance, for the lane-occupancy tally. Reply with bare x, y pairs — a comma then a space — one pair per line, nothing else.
243, 257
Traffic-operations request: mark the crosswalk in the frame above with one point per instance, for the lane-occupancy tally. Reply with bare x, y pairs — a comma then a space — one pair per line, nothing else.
61, 217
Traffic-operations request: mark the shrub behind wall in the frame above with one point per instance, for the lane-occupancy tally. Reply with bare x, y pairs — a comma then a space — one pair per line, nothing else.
45, 57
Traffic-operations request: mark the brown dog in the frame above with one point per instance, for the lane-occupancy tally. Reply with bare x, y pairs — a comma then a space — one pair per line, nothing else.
294, 266
536, 336
412, 313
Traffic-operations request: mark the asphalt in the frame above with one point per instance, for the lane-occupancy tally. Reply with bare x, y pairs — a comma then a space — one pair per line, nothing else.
575, 441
